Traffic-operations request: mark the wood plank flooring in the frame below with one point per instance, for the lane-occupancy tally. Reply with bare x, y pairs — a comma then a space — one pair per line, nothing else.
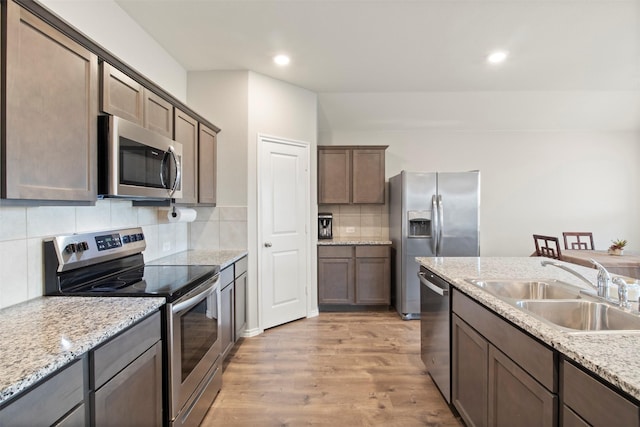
337, 369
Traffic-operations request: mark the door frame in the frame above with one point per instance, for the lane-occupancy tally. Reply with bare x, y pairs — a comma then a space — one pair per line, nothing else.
261, 138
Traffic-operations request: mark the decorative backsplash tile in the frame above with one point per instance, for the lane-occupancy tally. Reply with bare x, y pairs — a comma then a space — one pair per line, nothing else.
359, 221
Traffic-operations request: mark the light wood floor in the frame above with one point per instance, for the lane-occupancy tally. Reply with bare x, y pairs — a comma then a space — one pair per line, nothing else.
337, 369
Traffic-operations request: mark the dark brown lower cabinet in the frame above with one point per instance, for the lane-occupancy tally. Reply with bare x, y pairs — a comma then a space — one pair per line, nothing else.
354, 275
226, 318
470, 358
588, 401
133, 397
497, 372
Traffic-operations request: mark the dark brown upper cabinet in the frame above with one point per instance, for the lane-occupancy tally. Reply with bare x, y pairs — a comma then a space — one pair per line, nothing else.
351, 174
51, 95
124, 97
207, 160
186, 133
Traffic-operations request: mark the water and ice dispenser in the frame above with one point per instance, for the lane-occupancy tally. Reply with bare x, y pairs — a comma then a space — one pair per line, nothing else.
419, 223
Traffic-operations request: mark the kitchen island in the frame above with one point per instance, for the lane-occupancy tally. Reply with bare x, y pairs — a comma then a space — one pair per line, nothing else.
608, 357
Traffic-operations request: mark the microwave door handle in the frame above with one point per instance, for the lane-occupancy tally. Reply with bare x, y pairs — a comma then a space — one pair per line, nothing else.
176, 162
176, 182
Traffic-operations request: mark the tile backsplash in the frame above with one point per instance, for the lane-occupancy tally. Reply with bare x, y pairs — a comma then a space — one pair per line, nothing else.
359, 221
22, 230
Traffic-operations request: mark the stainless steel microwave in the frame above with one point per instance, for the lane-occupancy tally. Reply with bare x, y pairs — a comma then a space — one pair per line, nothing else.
136, 163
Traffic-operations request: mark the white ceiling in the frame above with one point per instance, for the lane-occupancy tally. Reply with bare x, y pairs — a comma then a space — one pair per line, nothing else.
376, 64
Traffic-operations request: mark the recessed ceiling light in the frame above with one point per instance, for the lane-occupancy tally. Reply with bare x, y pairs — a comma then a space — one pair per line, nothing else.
497, 57
281, 59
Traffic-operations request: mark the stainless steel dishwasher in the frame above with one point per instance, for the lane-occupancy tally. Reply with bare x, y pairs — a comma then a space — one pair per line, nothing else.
435, 330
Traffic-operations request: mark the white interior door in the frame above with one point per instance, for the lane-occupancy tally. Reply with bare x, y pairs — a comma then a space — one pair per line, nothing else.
284, 213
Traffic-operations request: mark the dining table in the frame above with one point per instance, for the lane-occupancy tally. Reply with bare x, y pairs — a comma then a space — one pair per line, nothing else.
625, 265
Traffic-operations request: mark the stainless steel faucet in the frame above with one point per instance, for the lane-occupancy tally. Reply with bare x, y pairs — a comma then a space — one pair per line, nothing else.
603, 282
623, 293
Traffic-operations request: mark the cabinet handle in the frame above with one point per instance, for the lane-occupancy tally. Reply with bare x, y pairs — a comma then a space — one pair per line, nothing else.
267, 244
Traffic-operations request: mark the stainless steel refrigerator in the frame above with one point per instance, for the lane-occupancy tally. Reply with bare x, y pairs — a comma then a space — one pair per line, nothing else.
430, 214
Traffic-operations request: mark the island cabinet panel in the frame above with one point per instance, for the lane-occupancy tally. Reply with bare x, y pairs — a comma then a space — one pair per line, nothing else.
51, 97
515, 398
207, 160
469, 375
500, 376
571, 419
594, 402
59, 399
351, 174
186, 133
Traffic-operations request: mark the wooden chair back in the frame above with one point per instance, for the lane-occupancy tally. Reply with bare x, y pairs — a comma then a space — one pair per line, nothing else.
583, 240
547, 246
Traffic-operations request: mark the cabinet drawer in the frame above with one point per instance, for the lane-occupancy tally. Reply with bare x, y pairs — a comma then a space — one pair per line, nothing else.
241, 266
335, 251
226, 277
48, 402
372, 251
531, 355
598, 404
116, 354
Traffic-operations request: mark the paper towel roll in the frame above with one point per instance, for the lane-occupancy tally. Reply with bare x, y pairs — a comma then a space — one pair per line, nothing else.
182, 215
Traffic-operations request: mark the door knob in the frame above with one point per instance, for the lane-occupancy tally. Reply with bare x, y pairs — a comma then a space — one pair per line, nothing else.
267, 244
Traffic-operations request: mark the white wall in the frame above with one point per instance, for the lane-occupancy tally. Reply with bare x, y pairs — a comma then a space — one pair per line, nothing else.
106, 23
543, 182
282, 110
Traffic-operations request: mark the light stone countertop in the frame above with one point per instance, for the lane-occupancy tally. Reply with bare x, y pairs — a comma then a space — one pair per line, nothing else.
613, 357
355, 241
223, 258
42, 335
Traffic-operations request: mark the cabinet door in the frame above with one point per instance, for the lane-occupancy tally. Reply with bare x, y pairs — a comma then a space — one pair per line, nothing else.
515, 398
334, 176
226, 319
134, 396
336, 278
368, 176
207, 159
48, 402
186, 133
373, 280
240, 304
158, 114
469, 373
50, 145
121, 95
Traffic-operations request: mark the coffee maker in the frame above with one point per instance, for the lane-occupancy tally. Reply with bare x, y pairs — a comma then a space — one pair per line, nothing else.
324, 226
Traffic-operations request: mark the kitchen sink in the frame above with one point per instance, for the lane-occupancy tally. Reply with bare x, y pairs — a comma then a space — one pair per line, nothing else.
528, 289
582, 315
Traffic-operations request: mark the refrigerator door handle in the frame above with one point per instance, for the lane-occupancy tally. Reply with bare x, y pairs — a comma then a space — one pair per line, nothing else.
434, 225
440, 223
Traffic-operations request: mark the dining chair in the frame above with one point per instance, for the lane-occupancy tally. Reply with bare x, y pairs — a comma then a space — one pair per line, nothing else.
587, 243
547, 246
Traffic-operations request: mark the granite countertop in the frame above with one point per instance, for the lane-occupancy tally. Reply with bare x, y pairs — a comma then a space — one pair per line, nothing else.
353, 241
223, 258
42, 335
613, 357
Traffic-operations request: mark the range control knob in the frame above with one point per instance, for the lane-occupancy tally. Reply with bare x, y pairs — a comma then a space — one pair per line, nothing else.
70, 248
82, 246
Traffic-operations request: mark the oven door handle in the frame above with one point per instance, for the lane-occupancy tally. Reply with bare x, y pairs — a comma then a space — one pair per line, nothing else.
194, 300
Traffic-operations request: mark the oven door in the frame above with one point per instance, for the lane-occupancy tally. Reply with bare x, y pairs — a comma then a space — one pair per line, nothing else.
194, 347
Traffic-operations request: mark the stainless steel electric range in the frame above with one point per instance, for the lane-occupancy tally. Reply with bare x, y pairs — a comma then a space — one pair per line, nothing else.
111, 263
